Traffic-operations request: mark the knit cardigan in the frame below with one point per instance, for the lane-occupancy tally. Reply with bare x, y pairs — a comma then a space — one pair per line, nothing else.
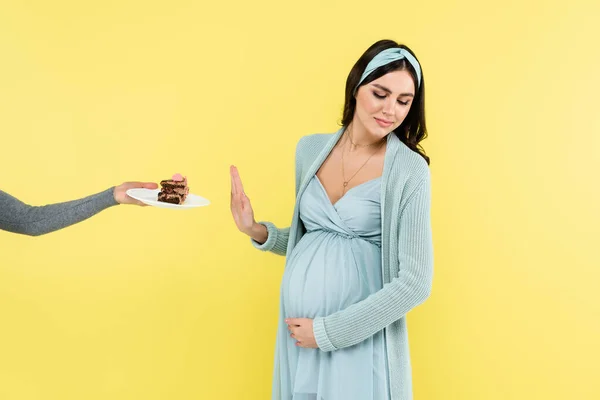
406, 253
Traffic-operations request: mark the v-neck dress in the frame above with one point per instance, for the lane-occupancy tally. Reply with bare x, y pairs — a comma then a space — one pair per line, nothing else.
336, 263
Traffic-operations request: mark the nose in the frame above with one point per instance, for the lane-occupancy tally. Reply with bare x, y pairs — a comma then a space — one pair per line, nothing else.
388, 107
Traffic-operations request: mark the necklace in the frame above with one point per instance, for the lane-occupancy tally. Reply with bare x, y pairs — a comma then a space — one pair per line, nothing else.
346, 181
360, 145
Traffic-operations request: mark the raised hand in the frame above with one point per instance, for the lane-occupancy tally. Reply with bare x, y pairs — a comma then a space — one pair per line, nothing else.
241, 209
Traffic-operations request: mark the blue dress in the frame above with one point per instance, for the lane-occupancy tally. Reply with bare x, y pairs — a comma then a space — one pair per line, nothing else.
336, 264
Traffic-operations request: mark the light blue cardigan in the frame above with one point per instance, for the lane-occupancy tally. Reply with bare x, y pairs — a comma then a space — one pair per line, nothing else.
407, 255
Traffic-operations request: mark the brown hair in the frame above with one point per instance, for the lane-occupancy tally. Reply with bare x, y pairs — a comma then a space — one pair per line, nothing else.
413, 129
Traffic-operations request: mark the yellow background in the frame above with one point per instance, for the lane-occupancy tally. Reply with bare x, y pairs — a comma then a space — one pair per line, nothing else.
147, 303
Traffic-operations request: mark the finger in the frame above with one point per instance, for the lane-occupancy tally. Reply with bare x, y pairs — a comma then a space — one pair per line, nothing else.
245, 201
234, 178
240, 193
234, 198
233, 186
293, 321
150, 185
238, 181
135, 184
236, 201
236, 209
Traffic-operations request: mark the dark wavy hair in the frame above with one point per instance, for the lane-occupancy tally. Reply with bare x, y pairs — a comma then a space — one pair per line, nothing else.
413, 129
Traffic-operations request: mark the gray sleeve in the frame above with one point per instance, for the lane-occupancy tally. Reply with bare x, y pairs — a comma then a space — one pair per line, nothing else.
18, 217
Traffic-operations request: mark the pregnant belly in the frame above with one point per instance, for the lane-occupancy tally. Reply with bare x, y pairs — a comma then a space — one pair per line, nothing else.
328, 272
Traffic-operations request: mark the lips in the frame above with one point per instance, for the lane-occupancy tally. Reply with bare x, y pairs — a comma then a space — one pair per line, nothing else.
384, 123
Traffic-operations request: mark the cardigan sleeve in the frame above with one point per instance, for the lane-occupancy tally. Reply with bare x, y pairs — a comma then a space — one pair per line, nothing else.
412, 286
18, 217
277, 239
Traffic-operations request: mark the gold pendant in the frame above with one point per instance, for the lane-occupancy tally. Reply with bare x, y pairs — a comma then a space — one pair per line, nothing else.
345, 184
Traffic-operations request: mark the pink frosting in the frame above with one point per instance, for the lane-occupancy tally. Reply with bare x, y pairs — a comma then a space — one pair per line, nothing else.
178, 177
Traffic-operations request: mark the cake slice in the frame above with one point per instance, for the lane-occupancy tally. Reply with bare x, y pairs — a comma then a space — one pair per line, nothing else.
174, 190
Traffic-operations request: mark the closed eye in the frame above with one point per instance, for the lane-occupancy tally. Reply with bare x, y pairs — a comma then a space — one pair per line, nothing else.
383, 96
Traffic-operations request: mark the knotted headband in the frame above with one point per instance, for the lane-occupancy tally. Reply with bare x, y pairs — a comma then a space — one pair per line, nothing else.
387, 56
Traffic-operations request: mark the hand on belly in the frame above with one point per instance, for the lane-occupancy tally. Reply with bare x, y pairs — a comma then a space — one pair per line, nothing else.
301, 330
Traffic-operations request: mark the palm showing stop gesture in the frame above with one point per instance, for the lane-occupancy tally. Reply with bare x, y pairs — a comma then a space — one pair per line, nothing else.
241, 209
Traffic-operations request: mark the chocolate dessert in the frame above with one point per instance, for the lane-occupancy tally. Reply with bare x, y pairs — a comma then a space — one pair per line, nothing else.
174, 190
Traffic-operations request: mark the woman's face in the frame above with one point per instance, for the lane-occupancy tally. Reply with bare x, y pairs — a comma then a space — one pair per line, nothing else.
382, 105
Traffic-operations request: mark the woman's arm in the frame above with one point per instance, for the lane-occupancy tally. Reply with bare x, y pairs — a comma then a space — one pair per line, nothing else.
265, 236
413, 285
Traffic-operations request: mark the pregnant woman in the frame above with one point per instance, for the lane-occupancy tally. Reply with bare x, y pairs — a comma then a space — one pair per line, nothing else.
359, 248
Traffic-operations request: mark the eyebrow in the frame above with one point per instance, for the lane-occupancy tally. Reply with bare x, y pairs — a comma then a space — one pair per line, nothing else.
390, 92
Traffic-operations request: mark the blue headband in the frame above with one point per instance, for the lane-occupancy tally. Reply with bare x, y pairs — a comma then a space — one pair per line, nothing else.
387, 56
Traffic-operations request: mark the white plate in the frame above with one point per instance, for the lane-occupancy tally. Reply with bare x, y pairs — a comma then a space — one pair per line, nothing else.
150, 197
